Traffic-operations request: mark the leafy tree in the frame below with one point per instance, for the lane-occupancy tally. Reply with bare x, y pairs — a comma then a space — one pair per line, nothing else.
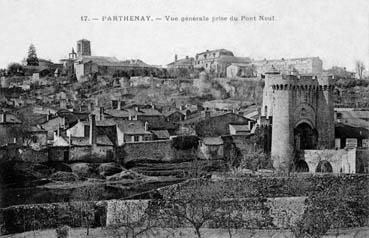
332, 207
32, 59
256, 160
15, 69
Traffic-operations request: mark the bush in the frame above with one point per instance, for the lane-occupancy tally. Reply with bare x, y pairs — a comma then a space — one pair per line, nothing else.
62, 232
256, 160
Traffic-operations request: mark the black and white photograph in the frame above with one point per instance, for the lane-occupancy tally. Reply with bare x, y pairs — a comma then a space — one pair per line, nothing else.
184, 118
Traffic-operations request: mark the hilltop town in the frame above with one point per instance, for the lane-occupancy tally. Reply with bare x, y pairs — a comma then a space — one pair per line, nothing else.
98, 128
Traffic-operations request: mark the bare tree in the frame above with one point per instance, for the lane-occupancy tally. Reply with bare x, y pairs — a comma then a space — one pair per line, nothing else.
360, 67
134, 218
195, 205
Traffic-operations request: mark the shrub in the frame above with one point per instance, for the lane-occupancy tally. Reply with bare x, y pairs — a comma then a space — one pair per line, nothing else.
62, 232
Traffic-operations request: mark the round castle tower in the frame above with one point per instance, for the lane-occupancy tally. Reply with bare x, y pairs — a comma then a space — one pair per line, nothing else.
302, 114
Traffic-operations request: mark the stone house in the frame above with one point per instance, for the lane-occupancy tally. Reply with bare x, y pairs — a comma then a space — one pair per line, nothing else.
103, 128
217, 61
181, 67
174, 116
11, 129
214, 123
91, 148
133, 131
52, 125
160, 134
212, 147
37, 137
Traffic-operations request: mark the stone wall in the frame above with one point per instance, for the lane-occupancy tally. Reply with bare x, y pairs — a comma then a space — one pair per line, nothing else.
342, 161
268, 203
22, 218
257, 213
95, 153
161, 150
35, 156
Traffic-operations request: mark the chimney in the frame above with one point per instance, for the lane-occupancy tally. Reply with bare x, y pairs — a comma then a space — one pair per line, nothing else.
240, 113
70, 139
48, 117
207, 114
119, 106
58, 130
187, 57
92, 129
136, 108
63, 123
152, 105
3, 117
101, 114
175, 58
146, 126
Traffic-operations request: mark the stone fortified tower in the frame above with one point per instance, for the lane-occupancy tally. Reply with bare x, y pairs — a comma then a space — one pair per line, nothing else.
83, 48
302, 114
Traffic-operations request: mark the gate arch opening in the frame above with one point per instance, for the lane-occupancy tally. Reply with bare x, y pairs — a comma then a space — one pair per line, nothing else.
324, 167
305, 137
301, 166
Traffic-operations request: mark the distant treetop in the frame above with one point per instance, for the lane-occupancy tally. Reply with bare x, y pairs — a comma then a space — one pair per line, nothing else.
32, 59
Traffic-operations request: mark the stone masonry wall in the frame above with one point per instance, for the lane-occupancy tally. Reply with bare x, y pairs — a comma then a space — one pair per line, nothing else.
146, 150
342, 161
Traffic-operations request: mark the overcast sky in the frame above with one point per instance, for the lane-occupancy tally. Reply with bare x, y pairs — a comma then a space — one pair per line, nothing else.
336, 31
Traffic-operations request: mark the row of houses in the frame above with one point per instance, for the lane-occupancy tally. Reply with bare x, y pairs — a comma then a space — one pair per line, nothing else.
223, 63
98, 135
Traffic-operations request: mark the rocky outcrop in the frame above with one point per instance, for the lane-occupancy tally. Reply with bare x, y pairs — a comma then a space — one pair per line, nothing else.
108, 169
64, 177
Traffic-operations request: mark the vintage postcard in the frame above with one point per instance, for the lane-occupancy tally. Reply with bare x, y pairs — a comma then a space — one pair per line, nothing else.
174, 118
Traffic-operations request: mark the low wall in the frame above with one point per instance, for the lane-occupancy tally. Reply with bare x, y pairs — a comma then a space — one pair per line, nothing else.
342, 161
160, 150
267, 213
22, 218
146, 150
29, 155
269, 203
